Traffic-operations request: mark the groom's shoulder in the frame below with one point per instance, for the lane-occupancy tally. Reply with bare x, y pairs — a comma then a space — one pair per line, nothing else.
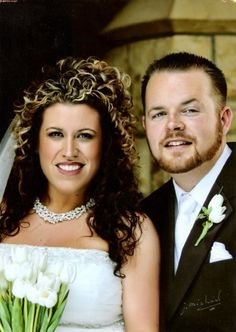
157, 196
154, 205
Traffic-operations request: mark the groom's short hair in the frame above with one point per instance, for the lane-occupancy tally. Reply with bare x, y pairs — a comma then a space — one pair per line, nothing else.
183, 61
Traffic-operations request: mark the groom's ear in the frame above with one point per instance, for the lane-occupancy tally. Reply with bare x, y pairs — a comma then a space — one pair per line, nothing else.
226, 116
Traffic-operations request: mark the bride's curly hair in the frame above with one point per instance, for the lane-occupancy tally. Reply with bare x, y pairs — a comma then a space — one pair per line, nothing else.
114, 188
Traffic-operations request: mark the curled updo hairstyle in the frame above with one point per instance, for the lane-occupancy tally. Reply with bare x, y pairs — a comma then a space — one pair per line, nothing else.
114, 188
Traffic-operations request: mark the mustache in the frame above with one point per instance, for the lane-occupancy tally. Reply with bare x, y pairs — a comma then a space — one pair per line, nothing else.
181, 135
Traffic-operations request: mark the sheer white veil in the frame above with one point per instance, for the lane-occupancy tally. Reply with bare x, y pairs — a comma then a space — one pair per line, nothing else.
7, 155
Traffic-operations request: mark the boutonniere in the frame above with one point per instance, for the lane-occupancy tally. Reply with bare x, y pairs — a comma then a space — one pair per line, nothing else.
213, 214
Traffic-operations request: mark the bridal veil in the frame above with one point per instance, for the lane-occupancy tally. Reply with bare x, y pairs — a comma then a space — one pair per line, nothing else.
7, 154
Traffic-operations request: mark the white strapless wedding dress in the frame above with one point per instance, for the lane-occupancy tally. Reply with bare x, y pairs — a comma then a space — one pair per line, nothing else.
95, 298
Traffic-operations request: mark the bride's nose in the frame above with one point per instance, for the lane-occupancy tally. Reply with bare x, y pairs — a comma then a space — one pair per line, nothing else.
70, 148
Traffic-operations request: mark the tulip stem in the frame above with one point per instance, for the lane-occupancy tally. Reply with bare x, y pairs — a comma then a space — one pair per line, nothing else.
206, 226
36, 318
49, 314
25, 309
31, 317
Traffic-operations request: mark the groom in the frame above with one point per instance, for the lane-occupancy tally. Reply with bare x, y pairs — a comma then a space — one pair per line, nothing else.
186, 121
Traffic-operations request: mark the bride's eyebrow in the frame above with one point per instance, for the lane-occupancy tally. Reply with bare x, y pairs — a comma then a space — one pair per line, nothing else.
87, 129
76, 131
53, 128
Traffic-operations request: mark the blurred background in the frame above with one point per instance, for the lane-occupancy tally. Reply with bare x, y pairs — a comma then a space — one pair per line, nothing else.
38, 32
129, 34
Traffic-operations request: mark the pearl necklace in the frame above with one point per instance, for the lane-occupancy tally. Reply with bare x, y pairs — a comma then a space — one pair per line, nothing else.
52, 217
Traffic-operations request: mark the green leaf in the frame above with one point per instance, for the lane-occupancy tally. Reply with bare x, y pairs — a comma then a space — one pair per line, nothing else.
4, 311
17, 317
201, 216
63, 293
6, 325
44, 321
5, 317
205, 210
30, 320
57, 316
1, 327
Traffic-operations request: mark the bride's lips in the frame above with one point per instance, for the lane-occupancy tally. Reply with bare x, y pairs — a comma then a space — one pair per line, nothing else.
69, 168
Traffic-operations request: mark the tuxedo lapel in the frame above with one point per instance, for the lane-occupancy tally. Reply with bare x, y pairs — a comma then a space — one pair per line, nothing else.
168, 239
166, 207
193, 256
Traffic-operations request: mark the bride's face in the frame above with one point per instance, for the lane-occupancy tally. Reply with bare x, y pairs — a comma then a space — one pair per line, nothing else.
70, 146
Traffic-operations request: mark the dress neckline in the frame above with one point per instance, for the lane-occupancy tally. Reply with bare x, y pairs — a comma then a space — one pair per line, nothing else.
53, 248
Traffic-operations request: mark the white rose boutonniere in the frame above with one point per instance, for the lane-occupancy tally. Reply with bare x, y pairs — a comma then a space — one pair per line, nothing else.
213, 214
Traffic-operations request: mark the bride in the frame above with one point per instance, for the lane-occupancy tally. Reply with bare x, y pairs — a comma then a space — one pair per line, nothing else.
72, 193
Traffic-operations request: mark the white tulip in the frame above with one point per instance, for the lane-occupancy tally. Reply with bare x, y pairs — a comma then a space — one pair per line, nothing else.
2, 263
32, 293
4, 260
19, 254
47, 297
214, 214
39, 261
57, 284
68, 274
54, 268
216, 200
11, 271
45, 280
19, 288
25, 271
217, 214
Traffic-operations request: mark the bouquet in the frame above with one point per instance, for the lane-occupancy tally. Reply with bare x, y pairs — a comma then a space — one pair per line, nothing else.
33, 293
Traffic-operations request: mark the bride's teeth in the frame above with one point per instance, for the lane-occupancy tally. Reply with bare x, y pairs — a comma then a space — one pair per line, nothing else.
69, 167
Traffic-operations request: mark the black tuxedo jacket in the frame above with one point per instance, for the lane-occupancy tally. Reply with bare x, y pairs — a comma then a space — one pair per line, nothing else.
201, 296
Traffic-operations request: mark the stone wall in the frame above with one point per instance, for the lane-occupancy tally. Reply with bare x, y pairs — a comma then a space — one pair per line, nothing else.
149, 29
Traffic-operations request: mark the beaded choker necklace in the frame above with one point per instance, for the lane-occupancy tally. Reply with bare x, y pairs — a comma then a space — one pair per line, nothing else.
43, 212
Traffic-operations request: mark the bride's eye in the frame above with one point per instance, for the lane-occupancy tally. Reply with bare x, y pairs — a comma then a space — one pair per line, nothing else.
55, 134
85, 136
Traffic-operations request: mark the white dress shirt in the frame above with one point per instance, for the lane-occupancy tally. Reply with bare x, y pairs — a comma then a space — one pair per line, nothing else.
202, 189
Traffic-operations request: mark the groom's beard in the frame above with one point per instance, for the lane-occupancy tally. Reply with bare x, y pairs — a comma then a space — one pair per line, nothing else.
175, 166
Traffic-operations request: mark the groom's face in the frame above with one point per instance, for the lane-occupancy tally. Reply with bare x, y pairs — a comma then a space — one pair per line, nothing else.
185, 128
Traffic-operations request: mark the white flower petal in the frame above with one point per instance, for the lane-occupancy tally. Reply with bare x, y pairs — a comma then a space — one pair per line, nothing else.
11, 271
216, 200
25, 271
47, 297
39, 261
46, 280
54, 268
19, 288
19, 254
32, 293
68, 274
217, 214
